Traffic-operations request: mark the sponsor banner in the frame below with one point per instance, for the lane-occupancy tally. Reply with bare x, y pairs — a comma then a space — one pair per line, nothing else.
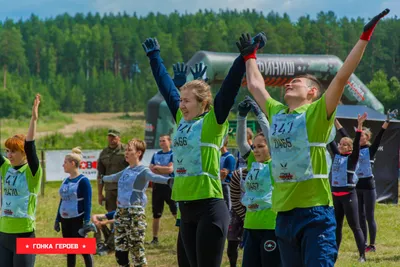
88, 166
56, 246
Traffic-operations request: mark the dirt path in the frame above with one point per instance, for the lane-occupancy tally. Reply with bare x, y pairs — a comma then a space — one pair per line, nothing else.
84, 121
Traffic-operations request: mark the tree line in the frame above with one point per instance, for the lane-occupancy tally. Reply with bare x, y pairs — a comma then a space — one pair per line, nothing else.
93, 63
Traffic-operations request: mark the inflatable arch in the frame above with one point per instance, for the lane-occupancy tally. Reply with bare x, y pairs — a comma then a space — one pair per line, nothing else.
276, 70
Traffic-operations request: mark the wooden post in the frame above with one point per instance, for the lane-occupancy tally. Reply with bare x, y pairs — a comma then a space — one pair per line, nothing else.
43, 162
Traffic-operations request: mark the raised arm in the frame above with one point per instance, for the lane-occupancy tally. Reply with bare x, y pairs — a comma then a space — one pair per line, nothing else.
377, 141
353, 158
164, 82
226, 95
255, 82
334, 148
389, 116
262, 120
336, 87
340, 128
29, 146
241, 136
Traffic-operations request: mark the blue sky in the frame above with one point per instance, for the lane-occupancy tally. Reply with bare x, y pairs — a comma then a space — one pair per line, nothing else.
17, 9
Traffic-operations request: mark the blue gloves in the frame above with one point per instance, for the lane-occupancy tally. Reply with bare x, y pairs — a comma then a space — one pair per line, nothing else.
150, 45
180, 70
199, 72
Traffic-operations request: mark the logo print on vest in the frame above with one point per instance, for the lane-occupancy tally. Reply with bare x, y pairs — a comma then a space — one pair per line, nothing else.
285, 175
270, 245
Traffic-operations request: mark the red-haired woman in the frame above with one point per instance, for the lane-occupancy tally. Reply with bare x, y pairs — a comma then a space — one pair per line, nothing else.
20, 176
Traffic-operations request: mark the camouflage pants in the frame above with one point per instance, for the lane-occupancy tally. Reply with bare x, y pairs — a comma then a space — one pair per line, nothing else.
129, 233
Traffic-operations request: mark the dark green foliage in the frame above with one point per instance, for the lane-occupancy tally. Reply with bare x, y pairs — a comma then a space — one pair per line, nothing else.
89, 63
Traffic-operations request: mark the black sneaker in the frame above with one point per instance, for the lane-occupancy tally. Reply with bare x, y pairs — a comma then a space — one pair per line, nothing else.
154, 242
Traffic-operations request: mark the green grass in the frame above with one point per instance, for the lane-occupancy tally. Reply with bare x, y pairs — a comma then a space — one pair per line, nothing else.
164, 255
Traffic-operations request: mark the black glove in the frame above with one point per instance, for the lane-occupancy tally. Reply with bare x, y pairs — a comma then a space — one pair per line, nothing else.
244, 107
199, 71
180, 70
254, 106
248, 46
150, 45
57, 226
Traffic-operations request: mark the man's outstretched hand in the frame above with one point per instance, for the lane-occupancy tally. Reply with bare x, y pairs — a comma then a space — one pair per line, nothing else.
370, 26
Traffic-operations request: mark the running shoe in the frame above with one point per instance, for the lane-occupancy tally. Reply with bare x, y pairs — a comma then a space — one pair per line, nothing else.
370, 248
362, 259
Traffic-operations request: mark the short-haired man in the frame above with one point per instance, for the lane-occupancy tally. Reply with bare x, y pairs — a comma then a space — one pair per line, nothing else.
162, 163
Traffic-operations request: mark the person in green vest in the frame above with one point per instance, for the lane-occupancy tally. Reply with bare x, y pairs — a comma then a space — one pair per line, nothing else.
305, 224
21, 176
201, 128
261, 245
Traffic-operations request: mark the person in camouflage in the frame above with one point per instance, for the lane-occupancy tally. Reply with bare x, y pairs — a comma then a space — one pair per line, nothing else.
130, 219
111, 160
101, 221
130, 233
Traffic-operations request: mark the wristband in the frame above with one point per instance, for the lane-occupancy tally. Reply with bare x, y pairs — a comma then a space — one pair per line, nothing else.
252, 55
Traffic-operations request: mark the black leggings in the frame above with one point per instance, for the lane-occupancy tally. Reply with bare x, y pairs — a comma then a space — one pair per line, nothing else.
8, 256
347, 205
204, 228
181, 253
366, 210
232, 252
261, 249
69, 228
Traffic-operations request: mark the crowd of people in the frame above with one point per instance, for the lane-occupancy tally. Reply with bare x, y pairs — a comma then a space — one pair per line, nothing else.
275, 198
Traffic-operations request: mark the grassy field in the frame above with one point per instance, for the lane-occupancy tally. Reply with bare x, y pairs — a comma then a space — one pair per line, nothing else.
89, 130
164, 255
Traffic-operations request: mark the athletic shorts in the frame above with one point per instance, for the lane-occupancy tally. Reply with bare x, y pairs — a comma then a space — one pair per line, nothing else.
162, 193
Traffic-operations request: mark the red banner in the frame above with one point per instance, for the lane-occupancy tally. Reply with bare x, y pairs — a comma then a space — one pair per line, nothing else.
56, 246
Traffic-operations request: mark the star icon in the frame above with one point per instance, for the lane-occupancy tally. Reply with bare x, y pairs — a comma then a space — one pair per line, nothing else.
84, 246
27, 246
